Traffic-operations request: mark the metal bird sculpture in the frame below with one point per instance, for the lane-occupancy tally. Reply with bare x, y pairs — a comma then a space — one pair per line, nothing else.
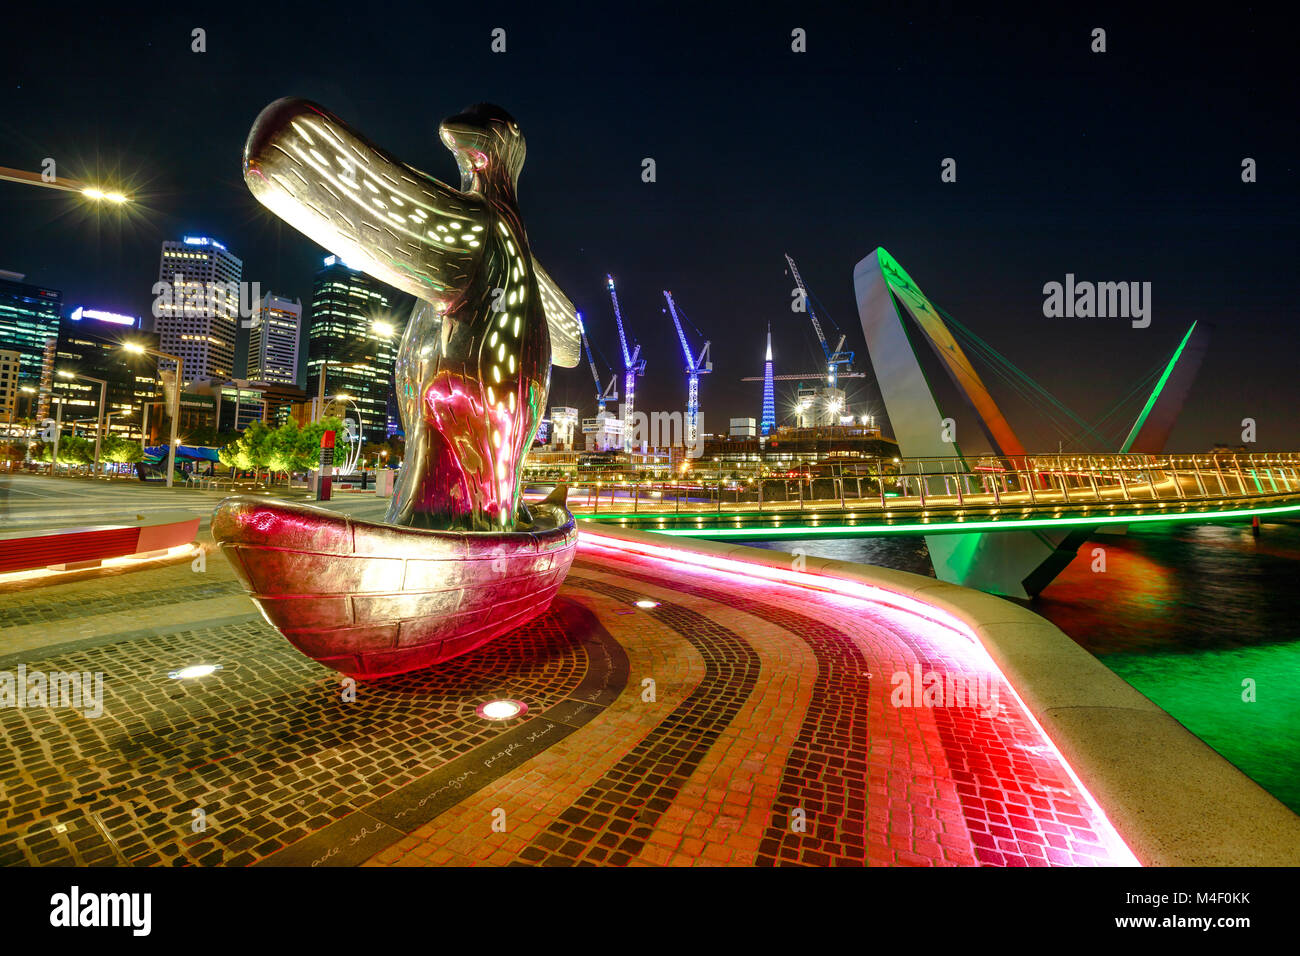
473, 368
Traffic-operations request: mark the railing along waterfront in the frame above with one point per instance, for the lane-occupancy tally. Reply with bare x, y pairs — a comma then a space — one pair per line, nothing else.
987, 484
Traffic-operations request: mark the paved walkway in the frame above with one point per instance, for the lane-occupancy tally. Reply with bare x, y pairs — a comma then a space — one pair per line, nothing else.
735, 721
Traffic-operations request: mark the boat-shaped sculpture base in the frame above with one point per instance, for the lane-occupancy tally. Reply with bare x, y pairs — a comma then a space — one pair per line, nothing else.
372, 600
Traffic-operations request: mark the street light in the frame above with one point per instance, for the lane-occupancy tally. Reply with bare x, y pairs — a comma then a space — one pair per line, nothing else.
63, 183
123, 410
99, 411
90, 192
136, 348
345, 397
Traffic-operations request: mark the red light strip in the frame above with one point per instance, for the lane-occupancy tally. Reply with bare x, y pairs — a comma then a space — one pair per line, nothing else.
1117, 849
802, 579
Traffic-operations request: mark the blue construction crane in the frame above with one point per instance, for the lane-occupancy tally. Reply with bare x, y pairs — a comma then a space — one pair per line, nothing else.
633, 365
608, 393
696, 366
835, 357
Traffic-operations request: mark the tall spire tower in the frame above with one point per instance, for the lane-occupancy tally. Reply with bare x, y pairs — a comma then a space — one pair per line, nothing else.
769, 396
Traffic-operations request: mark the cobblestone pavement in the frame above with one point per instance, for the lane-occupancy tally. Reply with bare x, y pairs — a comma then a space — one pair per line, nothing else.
734, 722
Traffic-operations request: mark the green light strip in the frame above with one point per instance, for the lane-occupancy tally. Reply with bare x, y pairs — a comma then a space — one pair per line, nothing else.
936, 527
1155, 393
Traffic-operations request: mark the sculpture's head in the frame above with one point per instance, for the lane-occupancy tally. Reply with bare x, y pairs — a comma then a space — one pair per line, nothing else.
488, 145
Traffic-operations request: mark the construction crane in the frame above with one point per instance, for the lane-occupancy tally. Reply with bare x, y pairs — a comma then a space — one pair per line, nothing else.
633, 365
801, 378
695, 367
835, 357
610, 392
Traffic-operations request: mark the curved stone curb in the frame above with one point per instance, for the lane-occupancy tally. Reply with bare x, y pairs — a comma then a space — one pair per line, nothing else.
1173, 798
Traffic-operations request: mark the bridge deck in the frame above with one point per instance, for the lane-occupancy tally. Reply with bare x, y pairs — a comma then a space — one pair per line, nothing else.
938, 502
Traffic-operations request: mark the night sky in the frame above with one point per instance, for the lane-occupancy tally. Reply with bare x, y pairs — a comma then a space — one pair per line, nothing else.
1117, 166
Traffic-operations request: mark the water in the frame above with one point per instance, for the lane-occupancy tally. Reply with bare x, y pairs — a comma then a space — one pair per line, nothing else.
1189, 615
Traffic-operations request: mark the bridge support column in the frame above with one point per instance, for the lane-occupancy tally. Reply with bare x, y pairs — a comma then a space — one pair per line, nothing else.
1015, 564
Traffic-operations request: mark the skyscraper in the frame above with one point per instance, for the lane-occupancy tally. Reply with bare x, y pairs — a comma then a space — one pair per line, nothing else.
29, 316
10, 362
90, 343
273, 341
355, 327
197, 306
769, 395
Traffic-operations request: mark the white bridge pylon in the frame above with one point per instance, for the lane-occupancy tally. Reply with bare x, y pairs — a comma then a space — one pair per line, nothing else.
1011, 563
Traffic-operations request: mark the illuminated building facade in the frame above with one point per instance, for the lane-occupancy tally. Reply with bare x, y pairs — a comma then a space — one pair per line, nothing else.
10, 365
603, 433
564, 424
93, 346
355, 328
273, 341
29, 315
769, 392
197, 314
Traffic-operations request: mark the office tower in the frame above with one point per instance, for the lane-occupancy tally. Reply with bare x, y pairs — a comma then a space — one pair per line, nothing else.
273, 341
29, 316
90, 344
10, 364
355, 327
197, 306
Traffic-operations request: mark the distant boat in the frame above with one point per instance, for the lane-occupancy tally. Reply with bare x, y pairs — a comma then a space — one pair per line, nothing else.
373, 600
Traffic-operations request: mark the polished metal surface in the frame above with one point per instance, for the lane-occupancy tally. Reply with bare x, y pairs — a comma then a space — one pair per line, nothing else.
461, 559
371, 600
473, 369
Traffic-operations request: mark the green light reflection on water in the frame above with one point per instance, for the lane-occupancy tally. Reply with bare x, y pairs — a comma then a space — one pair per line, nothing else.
1203, 691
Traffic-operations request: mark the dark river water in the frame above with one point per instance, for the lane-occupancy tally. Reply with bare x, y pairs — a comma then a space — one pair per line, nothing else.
1189, 615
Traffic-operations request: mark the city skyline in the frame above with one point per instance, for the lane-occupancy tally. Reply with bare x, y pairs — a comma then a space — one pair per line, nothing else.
740, 436
1050, 192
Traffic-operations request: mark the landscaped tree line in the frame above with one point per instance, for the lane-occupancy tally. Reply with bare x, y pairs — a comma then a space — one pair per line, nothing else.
278, 451
79, 450
268, 452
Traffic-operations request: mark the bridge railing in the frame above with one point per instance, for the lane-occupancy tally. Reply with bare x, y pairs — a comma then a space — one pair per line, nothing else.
974, 481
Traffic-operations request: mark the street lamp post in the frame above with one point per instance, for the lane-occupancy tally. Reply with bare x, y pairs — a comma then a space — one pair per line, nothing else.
58, 427
99, 411
138, 349
24, 390
62, 182
124, 411
345, 397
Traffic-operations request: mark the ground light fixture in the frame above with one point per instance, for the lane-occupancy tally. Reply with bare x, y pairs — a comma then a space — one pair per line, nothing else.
646, 604
194, 671
502, 709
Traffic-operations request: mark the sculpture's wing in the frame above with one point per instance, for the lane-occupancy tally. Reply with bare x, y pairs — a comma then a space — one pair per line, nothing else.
561, 319
375, 212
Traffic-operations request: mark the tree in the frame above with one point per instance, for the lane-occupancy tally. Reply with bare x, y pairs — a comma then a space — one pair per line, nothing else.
252, 451
286, 448
282, 450
309, 442
121, 451
13, 453
201, 435
73, 450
